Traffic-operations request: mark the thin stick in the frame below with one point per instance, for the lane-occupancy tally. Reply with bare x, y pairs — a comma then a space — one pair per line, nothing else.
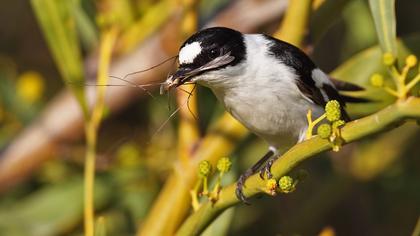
145, 70
135, 85
188, 102
168, 119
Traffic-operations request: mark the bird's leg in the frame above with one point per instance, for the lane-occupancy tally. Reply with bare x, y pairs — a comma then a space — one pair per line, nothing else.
241, 181
266, 169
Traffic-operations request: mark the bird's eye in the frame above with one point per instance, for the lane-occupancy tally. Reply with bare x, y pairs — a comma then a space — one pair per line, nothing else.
214, 53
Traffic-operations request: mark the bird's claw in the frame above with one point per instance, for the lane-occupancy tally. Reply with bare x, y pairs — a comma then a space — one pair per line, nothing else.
265, 171
239, 186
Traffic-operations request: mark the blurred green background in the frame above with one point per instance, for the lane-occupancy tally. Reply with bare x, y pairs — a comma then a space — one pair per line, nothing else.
369, 188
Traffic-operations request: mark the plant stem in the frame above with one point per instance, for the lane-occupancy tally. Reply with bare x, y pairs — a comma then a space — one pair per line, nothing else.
91, 128
188, 134
89, 178
312, 124
293, 27
413, 82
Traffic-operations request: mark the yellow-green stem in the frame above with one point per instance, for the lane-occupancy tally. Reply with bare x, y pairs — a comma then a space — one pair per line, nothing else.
413, 82
205, 186
89, 178
293, 27
188, 134
392, 92
194, 196
91, 127
312, 124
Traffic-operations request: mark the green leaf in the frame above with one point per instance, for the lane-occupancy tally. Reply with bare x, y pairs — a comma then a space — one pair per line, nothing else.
57, 22
154, 17
360, 29
326, 16
53, 210
100, 226
87, 30
383, 12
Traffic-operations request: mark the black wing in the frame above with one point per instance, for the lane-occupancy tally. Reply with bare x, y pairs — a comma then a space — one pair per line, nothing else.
293, 57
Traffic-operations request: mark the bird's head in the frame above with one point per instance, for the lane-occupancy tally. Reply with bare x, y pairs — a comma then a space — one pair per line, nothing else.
207, 56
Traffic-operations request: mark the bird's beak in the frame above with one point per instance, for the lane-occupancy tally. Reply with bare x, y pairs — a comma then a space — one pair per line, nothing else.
182, 75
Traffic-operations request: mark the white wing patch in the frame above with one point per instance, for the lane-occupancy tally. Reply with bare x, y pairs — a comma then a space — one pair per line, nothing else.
189, 52
320, 79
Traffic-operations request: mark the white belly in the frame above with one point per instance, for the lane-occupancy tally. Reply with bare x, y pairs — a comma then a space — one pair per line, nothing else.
275, 114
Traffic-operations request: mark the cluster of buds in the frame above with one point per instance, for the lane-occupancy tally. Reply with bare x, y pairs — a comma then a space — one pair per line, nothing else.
331, 129
286, 184
402, 83
205, 172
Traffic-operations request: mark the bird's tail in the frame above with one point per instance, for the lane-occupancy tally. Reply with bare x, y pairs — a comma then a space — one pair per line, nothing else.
349, 87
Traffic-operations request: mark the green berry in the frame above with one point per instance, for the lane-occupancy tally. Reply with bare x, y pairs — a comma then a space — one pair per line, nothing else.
333, 111
324, 131
286, 184
377, 80
388, 59
224, 164
204, 168
338, 124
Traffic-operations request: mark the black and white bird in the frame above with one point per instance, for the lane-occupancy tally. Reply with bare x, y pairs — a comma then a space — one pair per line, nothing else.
266, 84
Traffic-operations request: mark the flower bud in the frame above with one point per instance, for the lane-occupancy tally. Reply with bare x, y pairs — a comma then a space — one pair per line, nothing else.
332, 110
388, 59
224, 164
204, 168
286, 184
411, 60
271, 186
324, 131
377, 80
30, 86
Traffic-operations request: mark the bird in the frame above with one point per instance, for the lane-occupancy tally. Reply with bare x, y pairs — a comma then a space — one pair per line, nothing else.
266, 84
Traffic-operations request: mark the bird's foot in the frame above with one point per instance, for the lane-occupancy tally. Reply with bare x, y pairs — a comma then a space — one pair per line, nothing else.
254, 169
240, 185
265, 171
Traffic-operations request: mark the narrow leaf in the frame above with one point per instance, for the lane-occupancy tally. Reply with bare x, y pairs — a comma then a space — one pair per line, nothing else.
87, 30
383, 12
52, 210
325, 16
57, 22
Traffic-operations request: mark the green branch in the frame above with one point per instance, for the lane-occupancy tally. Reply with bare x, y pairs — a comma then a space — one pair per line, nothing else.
388, 118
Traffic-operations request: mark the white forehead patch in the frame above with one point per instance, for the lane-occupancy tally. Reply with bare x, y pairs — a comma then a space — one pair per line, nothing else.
189, 52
